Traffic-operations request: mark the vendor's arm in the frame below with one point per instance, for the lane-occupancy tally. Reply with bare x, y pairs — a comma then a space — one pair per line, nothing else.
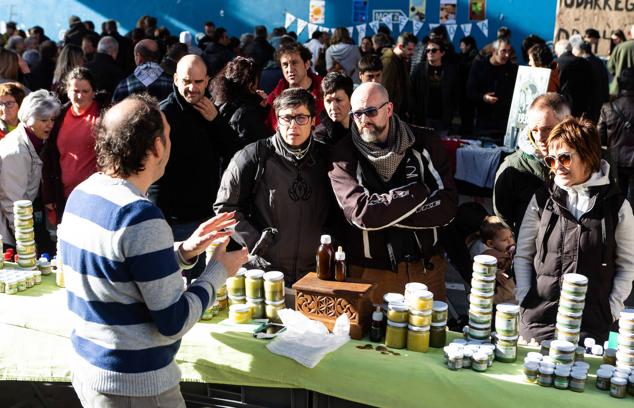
526, 251
14, 173
624, 271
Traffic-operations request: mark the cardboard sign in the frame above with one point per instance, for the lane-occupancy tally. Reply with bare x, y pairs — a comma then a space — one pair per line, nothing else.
606, 16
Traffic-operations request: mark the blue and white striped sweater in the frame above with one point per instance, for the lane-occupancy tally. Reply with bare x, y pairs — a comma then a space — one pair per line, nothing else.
125, 289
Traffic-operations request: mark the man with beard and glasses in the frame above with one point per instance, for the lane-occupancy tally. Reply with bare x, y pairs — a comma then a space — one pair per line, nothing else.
394, 184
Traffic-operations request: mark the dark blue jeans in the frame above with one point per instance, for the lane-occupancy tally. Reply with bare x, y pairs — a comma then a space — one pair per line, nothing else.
181, 232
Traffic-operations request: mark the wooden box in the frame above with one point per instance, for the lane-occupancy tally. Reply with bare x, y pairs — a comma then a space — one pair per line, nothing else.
326, 300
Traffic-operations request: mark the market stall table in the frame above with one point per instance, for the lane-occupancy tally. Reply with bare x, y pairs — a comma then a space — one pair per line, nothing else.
34, 346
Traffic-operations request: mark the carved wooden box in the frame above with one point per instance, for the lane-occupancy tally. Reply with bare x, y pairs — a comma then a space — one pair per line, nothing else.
326, 300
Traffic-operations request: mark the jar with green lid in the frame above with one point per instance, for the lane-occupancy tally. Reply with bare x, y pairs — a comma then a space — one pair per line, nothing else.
530, 371
240, 313
257, 307
254, 283
485, 264
21, 282
506, 349
578, 381
562, 379
397, 312
27, 261
26, 234
11, 286
420, 319
603, 379
235, 286
396, 335
23, 221
483, 283
237, 300
454, 359
479, 315
479, 362
480, 299
422, 300
439, 311
418, 338
545, 376
575, 284
507, 319
571, 304
618, 387
22, 207
271, 309
570, 335
438, 335
274, 286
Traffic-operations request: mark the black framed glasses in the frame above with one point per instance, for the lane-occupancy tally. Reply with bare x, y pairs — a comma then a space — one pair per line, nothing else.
369, 112
299, 119
564, 159
432, 50
8, 104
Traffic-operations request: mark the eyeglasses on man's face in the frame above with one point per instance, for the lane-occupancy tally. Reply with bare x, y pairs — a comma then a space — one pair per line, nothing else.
432, 50
369, 112
8, 104
299, 119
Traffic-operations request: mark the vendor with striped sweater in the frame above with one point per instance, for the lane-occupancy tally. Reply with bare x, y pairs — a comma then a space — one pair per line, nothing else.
123, 269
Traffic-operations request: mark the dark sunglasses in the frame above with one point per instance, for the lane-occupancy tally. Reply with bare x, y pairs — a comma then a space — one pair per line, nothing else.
432, 50
565, 159
369, 112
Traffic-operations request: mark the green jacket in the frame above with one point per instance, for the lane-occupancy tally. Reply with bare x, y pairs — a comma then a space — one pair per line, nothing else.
622, 57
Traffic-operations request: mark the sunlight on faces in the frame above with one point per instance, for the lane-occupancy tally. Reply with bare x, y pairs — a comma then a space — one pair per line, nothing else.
540, 122
42, 128
578, 171
502, 241
503, 53
294, 69
9, 109
371, 76
191, 80
337, 105
371, 129
80, 94
293, 133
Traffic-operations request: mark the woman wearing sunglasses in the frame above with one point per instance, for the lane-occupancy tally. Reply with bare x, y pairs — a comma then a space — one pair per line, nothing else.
581, 224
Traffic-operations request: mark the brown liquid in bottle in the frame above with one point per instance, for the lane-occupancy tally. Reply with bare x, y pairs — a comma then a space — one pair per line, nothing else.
340, 265
325, 259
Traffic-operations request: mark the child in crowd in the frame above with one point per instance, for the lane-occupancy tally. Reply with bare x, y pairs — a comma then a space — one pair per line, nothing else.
499, 242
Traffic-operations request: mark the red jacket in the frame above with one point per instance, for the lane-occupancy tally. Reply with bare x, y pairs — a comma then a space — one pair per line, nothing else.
315, 90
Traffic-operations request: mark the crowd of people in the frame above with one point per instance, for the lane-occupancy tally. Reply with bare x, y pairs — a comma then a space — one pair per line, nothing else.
140, 150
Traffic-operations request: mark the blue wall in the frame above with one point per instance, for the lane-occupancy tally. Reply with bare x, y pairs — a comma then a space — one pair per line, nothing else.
522, 16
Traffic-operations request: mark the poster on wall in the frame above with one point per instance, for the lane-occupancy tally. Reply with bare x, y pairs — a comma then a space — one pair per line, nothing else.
317, 11
477, 10
447, 12
574, 17
360, 11
530, 83
417, 9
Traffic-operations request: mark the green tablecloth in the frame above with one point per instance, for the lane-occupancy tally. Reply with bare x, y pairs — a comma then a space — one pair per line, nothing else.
34, 346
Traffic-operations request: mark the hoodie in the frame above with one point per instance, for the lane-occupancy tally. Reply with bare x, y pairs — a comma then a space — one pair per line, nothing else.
347, 55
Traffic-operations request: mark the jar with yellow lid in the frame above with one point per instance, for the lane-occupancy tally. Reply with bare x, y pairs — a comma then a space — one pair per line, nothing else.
418, 338
422, 300
254, 283
240, 313
274, 286
396, 335
271, 309
420, 318
257, 307
397, 312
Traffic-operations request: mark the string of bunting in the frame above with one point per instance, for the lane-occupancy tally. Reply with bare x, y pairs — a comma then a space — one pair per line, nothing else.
417, 26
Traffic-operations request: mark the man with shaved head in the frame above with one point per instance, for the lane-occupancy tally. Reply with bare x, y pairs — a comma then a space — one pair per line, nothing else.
122, 267
394, 184
202, 144
148, 75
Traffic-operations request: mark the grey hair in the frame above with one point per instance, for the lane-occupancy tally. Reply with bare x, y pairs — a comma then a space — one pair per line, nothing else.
500, 41
40, 104
575, 41
14, 41
108, 45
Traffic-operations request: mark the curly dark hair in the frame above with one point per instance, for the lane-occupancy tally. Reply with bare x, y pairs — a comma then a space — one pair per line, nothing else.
335, 81
541, 55
293, 48
237, 79
80, 73
122, 148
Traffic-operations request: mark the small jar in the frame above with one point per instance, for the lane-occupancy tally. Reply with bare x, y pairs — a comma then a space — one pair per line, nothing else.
544, 347
623, 370
422, 300
454, 359
418, 338
563, 352
223, 303
274, 286
490, 352
25, 248
534, 355
271, 309
545, 377
625, 358
571, 304
30, 279
11, 286
27, 261
45, 266
578, 381
574, 284
254, 284
603, 379
581, 365
420, 319
208, 314
467, 358
257, 307
439, 311
479, 315
22, 207
23, 221
237, 300
391, 297
530, 371
569, 320
630, 385
483, 283
485, 264
570, 335
580, 353
479, 362
397, 312
480, 299
235, 286
618, 387
506, 349
240, 313
561, 380
2, 283
37, 277
609, 356
507, 319
479, 331
412, 287
438, 335
26, 234
396, 335
222, 291
21, 282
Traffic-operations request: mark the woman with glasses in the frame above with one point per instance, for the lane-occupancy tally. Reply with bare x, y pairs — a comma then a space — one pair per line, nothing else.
11, 96
582, 224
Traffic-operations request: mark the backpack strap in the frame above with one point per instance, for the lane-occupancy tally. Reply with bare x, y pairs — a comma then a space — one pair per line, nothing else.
262, 152
626, 123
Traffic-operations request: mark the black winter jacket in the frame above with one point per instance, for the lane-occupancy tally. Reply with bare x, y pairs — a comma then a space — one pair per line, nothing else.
614, 132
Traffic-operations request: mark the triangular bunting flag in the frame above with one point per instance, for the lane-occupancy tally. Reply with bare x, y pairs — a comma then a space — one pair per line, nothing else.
402, 21
484, 26
416, 26
432, 26
311, 29
301, 24
387, 20
289, 20
326, 29
361, 31
374, 25
466, 28
332, 31
350, 30
451, 30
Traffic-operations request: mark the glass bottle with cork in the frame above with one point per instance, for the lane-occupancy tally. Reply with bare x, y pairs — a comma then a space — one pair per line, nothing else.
326, 259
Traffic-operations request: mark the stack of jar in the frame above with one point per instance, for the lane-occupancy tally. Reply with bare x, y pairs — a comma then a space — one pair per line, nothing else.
438, 331
236, 287
507, 329
273, 294
548, 372
618, 380
419, 319
24, 234
625, 350
462, 354
254, 290
396, 332
12, 282
481, 297
571, 303
220, 303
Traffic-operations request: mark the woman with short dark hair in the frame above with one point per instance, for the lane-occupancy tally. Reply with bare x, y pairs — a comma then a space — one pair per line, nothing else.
11, 96
582, 224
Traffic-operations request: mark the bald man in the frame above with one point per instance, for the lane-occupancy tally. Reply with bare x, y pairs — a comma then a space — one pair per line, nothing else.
126, 330
394, 184
148, 75
202, 143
